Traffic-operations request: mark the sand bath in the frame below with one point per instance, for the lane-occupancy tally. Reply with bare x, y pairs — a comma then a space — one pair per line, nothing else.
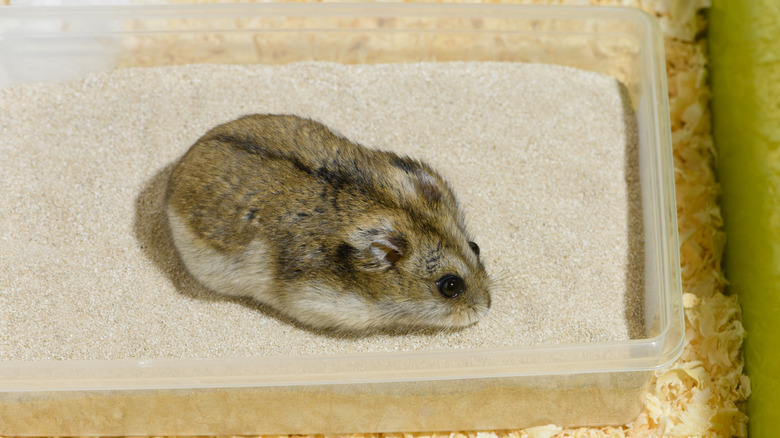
543, 159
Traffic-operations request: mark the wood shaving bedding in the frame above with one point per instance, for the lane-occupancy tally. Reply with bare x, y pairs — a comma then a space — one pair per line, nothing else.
704, 392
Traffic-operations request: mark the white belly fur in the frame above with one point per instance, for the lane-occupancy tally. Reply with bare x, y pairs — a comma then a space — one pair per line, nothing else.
245, 274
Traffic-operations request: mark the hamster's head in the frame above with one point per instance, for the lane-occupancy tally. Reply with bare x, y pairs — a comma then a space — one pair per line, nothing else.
415, 263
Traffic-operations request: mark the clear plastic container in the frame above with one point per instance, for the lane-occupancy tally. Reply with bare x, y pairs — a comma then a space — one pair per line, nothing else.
522, 386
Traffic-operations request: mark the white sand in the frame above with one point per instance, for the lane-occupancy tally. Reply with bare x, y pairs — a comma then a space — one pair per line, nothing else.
543, 159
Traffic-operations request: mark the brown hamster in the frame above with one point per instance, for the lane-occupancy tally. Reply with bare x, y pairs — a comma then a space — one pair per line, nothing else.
332, 234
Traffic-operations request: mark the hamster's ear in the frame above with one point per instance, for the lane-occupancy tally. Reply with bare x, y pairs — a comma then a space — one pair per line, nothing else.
378, 249
427, 186
388, 251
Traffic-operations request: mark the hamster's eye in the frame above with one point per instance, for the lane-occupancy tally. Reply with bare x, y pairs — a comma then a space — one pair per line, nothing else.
450, 285
474, 247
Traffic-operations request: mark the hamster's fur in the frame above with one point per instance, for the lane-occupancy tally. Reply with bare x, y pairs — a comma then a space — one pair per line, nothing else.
332, 234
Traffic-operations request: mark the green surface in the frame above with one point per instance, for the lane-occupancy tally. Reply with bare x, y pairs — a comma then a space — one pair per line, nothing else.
744, 43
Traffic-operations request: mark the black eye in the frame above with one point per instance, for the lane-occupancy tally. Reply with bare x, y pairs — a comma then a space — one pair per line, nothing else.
475, 248
450, 285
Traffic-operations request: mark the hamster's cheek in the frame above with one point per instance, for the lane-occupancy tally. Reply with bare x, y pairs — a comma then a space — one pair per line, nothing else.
320, 306
464, 314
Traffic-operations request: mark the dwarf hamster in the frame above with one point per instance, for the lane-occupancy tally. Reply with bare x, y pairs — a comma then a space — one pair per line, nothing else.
328, 232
